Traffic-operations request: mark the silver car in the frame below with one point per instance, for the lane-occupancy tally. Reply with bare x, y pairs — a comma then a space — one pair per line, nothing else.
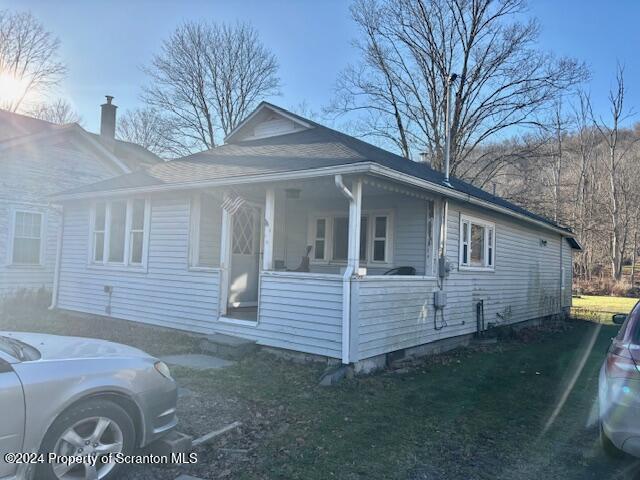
619, 388
69, 397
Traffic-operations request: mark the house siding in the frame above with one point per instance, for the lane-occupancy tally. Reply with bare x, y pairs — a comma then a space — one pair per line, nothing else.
409, 230
168, 294
567, 265
526, 284
297, 311
303, 311
392, 313
31, 173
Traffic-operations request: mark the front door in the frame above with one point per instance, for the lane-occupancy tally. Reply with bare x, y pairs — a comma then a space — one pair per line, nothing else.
245, 257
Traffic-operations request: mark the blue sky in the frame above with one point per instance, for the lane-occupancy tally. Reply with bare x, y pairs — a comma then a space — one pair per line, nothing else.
105, 42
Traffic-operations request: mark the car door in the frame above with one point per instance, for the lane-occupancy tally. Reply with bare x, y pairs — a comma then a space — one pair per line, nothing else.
12, 408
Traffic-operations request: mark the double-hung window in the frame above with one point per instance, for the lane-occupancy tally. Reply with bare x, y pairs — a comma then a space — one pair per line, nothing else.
120, 230
477, 243
27, 238
330, 238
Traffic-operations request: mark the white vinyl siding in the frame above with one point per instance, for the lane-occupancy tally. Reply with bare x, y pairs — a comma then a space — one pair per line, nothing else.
303, 311
166, 293
392, 313
297, 311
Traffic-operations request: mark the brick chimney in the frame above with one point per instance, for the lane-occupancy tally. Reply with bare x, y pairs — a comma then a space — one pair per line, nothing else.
108, 119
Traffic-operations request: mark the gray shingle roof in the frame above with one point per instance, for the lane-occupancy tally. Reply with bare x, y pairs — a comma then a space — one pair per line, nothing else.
313, 148
16, 126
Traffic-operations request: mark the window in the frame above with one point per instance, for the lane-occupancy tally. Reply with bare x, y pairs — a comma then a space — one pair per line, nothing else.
137, 232
245, 231
330, 238
477, 243
117, 227
120, 232
204, 240
27, 238
380, 239
341, 239
98, 231
320, 239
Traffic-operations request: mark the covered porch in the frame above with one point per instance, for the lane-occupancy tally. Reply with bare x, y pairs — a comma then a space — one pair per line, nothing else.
336, 266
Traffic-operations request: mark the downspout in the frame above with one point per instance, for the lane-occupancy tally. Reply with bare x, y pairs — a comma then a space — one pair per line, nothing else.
56, 273
443, 269
346, 283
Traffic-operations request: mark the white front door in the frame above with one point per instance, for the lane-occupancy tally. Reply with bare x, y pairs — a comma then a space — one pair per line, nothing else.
245, 256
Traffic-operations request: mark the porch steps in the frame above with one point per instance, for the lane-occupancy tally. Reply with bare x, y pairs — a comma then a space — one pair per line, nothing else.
227, 346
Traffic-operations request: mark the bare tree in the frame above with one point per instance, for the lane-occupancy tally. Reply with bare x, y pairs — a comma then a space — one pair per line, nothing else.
59, 112
610, 135
410, 47
147, 128
28, 59
207, 78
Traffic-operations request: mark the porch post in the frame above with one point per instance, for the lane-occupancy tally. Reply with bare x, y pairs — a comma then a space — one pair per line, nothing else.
225, 257
355, 214
269, 218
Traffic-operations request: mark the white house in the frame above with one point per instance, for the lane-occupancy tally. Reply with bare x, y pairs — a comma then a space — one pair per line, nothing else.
215, 242
37, 159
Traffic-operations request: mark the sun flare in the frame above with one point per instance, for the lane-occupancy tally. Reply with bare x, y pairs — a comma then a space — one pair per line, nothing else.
12, 90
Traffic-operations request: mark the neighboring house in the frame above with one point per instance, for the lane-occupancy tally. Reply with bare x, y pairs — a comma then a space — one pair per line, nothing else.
38, 158
207, 243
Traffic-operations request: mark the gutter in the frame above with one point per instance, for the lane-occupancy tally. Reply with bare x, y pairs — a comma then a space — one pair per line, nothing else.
361, 167
346, 283
56, 273
465, 197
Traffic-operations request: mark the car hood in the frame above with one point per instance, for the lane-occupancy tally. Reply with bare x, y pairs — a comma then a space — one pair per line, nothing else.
57, 347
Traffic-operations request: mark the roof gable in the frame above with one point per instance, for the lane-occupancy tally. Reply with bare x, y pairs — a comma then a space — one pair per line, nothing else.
267, 121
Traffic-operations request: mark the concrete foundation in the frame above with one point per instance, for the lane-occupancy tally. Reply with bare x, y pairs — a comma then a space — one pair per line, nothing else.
335, 373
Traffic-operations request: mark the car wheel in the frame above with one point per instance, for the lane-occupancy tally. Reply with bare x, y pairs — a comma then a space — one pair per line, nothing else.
607, 445
94, 427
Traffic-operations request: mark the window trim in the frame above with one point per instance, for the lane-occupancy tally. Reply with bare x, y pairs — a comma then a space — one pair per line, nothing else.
328, 233
329, 229
487, 225
195, 212
11, 240
126, 263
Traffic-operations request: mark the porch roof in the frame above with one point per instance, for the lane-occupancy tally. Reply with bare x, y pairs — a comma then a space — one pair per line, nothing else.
318, 151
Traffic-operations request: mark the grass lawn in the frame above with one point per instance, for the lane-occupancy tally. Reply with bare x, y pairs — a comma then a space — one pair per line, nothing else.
600, 308
471, 414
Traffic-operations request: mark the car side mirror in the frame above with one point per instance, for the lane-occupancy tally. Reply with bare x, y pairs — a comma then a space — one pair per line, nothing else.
619, 318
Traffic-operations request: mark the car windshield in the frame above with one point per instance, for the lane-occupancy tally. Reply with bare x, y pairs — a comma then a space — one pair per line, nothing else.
18, 349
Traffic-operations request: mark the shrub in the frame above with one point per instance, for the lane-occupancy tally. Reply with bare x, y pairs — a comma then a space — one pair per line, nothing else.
606, 286
25, 302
